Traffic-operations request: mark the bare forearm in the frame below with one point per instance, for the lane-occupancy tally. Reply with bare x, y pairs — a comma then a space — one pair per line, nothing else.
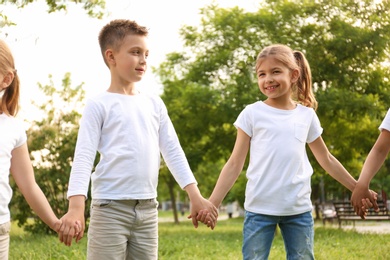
373, 163
225, 182
39, 204
339, 173
77, 204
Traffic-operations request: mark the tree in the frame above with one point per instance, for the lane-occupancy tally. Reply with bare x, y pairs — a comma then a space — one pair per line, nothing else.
52, 139
208, 83
51, 142
93, 8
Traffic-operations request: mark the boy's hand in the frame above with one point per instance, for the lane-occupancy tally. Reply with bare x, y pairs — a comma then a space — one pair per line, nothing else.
207, 218
205, 212
362, 199
72, 227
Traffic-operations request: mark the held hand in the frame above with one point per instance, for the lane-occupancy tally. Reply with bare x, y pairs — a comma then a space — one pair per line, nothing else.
207, 218
72, 227
375, 202
57, 225
362, 199
204, 211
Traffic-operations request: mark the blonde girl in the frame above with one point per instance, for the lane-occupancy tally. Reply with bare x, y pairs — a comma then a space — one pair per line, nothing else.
276, 132
14, 155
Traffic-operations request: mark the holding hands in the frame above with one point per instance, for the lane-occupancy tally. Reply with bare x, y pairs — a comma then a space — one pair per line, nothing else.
207, 214
201, 209
71, 227
363, 199
73, 222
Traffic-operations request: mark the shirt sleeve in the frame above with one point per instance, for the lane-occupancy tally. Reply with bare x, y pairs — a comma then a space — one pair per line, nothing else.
315, 129
22, 136
172, 151
386, 122
244, 121
86, 149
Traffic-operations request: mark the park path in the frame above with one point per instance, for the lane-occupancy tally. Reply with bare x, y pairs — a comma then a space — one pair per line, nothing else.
382, 227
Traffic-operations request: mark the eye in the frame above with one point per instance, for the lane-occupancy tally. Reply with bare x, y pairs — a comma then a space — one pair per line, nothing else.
261, 74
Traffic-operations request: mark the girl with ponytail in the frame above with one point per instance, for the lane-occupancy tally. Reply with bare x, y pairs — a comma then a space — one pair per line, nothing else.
14, 155
276, 132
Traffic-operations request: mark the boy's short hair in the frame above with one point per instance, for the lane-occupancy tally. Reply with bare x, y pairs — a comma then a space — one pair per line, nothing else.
113, 33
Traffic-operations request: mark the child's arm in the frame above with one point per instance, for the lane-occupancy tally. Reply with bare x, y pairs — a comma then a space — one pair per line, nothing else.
373, 163
232, 168
23, 174
74, 215
201, 209
331, 165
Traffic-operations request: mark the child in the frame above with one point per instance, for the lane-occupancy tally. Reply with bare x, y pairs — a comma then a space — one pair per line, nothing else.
276, 131
373, 163
129, 129
14, 155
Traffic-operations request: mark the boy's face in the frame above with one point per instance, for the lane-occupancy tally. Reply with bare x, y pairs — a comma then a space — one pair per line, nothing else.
129, 62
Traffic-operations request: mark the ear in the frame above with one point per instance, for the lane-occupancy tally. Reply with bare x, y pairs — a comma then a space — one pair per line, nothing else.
294, 76
109, 55
7, 80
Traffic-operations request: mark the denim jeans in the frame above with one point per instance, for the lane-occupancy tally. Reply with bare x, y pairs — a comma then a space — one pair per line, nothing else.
297, 232
123, 229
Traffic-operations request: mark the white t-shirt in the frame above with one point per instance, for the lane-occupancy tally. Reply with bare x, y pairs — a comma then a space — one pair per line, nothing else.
386, 122
129, 132
279, 171
12, 135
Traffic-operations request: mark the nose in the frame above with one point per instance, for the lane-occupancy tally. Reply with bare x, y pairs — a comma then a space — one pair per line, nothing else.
143, 60
269, 79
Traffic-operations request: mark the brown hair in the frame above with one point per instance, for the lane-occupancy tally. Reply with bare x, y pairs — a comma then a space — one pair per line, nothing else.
10, 100
113, 33
294, 60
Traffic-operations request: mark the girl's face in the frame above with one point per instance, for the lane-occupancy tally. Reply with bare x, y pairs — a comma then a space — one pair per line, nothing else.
275, 79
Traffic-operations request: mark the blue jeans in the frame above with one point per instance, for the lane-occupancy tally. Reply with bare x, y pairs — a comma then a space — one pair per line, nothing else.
297, 232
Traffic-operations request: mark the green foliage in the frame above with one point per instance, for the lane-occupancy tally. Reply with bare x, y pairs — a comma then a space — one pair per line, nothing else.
346, 43
94, 8
51, 142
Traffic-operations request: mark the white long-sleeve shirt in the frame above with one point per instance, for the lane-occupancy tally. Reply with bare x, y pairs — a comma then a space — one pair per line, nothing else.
129, 132
12, 135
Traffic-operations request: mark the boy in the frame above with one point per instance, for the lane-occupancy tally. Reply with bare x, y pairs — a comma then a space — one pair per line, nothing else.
129, 129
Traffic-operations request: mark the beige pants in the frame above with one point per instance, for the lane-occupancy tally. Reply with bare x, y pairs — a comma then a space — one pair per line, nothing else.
4, 240
123, 229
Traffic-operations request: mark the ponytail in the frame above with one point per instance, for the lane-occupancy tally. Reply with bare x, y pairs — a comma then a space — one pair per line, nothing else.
304, 92
10, 100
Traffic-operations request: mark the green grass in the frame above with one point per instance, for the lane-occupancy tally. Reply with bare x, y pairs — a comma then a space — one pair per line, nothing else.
184, 242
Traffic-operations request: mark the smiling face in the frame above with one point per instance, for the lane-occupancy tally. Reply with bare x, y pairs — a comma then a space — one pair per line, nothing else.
275, 79
128, 63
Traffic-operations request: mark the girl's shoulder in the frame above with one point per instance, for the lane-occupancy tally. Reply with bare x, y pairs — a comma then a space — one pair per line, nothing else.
12, 127
11, 121
306, 109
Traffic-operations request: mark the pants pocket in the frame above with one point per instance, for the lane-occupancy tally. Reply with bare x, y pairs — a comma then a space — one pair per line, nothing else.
5, 228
